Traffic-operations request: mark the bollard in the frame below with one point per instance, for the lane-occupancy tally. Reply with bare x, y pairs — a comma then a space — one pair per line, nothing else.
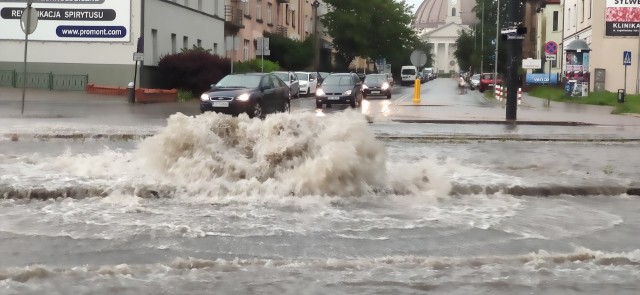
519, 95
131, 92
416, 91
497, 92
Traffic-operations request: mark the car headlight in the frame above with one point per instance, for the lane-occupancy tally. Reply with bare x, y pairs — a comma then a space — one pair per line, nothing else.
243, 97
364, 86
205, 97
385, 86
320, 92
348, 92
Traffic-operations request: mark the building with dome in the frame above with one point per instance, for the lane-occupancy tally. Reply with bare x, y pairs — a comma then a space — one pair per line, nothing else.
439, 22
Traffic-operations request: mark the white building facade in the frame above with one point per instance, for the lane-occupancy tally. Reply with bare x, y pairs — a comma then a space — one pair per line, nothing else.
98, 38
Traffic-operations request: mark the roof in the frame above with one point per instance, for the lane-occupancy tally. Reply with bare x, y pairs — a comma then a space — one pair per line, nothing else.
433, 13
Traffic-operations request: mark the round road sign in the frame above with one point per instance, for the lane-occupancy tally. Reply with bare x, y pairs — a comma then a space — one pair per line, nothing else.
418, 58
551, 47
29, 14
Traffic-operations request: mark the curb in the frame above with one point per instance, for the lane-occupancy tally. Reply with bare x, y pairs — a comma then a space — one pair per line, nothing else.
535, 123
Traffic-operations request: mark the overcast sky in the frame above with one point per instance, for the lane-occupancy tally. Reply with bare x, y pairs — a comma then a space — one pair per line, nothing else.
415, 4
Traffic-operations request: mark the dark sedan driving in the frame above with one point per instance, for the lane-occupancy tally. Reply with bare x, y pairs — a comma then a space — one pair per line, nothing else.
377, 84
255, 94
340, 89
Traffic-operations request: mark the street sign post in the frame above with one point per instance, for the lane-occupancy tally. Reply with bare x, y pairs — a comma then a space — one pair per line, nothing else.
28, 22
418, 58
626, 61
551, 48
263, 49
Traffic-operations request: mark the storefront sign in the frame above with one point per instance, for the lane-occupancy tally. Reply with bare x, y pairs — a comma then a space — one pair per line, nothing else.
70, 20
622, 18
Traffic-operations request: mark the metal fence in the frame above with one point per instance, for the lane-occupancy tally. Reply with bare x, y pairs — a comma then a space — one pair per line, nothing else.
49, 81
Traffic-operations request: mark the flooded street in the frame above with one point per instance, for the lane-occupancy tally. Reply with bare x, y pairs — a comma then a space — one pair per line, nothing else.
297, 204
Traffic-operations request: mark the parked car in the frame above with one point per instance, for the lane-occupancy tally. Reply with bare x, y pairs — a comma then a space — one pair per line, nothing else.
308, 82
474, 82
487, 81
291, 79
340, 89
376, 84
408, 75
255, 94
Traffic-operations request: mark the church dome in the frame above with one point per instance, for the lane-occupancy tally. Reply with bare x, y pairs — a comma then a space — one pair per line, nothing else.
433, 13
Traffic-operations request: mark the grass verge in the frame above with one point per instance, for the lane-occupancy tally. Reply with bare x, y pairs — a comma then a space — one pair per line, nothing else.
631, 104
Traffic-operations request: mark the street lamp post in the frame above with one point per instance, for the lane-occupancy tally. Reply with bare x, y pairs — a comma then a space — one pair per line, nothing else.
482, 41
316, 37
495, 52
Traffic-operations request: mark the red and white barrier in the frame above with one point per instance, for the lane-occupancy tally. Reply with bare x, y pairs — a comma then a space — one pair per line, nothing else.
519, 95
498, 92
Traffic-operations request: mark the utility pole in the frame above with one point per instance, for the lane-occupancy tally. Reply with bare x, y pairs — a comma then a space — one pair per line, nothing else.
482, 41
316, 37
514, 57
495, 52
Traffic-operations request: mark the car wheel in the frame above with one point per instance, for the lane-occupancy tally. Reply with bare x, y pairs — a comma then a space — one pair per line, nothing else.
354, 102
389, 95
318, 105
256, 110
287, 107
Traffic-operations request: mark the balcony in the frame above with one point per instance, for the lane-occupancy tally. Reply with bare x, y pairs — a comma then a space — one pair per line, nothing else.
232, 18
282, 1
281, 30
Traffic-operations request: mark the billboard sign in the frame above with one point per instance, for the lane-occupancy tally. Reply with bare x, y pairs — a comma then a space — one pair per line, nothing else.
533, 79
69, 20
622, 18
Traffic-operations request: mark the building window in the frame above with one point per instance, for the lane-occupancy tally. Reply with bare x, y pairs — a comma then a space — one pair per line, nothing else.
174, 46
259, 10
215, 48
246, 9
554, 63
575, 15
293, 18
269, 15
453, 11
583, 7
569, 19
186, 2
215, 7
199, 43
590, 7
154, 45
286, 14
200, 5
185, 42
245, 50
555, 20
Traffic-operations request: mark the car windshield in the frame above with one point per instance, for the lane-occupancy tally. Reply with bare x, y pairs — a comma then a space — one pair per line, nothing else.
239, 81
303, 76
487, 76
409, 72
335, 80
282, 76
475, 77
375, 79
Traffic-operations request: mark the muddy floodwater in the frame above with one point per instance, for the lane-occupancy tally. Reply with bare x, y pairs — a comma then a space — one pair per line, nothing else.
294, 204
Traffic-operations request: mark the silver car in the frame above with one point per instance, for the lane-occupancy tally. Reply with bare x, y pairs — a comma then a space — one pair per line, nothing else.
291, 79
475, 81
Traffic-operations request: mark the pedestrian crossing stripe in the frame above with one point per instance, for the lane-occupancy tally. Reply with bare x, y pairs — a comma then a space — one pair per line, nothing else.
626, 58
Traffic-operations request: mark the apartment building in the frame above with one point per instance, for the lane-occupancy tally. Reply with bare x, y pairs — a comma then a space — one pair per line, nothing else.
608, 28
248, 20
102, 46
550, 25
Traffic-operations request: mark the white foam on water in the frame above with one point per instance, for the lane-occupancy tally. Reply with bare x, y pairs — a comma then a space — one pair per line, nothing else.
563, 271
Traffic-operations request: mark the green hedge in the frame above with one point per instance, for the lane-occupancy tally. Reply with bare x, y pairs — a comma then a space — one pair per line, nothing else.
255, 66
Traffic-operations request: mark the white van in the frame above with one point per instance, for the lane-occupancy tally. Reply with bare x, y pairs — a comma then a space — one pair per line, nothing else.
408, 74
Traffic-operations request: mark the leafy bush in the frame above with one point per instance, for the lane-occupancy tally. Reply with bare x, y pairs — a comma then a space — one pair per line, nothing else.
290, 54
193, 70
184, 95
255, 66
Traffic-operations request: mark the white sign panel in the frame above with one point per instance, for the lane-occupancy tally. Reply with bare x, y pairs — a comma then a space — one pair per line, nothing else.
530, 63
69, 20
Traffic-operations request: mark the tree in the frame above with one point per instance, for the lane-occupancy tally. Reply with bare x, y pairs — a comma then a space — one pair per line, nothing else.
288, 53
372, 28
465, 52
